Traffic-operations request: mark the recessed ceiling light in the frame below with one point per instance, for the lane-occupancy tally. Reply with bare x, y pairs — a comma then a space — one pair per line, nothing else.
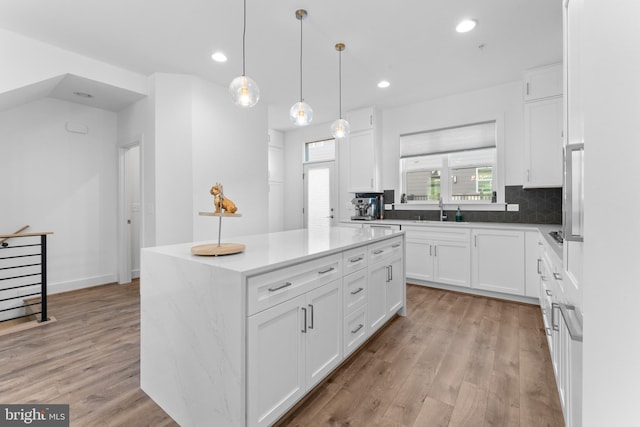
219, 57
466, 25
383, 84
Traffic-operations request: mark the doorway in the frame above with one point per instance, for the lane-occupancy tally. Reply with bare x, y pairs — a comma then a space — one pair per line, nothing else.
320, 194
130, 212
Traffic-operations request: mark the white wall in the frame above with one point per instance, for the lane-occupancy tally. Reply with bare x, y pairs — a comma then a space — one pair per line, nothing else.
54, 180
612, 151
470, 107
229, 146
29, 61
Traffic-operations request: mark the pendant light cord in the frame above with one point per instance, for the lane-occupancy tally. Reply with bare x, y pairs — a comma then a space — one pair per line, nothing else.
340, 81
301, 18
244, 34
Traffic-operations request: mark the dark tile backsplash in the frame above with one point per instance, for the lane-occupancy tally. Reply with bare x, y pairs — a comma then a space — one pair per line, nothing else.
537, 206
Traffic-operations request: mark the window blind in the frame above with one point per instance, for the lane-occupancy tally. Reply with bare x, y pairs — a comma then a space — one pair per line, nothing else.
448, 140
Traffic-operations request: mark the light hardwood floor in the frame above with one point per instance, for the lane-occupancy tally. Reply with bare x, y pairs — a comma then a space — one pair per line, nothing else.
455, 360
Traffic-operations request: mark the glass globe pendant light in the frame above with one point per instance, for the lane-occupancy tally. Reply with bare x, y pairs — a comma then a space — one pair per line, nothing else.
340, 128
244, 90
301, 113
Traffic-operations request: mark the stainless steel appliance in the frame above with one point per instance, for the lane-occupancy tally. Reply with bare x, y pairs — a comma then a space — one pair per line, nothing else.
368, 206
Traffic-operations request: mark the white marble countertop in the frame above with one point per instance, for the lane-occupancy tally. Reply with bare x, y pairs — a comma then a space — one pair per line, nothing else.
544, 229
269, 251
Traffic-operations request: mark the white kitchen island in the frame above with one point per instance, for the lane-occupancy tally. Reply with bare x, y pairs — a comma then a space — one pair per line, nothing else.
237, 340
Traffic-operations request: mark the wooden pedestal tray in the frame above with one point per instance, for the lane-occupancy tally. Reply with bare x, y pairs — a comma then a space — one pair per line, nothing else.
212, 249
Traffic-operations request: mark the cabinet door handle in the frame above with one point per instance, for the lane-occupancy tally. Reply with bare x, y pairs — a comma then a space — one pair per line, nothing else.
356, 259
429, 250
548, 331
311, 313
357, 291
557, 276
435, 250
304, 329
396, 245
544, 278
360, 326
388, 267
378, 252
391, 270
284, 285
326, 270
475, 241
539, 271
554, 306
548, 292
527, 88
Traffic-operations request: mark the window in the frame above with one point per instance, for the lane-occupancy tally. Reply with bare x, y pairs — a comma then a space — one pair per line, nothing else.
456, 164
320, 151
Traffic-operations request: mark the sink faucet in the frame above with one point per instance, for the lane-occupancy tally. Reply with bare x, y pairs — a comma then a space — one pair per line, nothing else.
443, 216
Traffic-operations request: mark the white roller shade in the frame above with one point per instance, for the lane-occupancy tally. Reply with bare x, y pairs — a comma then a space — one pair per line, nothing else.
447, 140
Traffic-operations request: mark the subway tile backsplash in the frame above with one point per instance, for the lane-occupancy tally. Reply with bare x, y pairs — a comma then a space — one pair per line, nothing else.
537, 206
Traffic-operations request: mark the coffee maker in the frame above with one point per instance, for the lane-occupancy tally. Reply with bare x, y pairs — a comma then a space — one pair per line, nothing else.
368, 206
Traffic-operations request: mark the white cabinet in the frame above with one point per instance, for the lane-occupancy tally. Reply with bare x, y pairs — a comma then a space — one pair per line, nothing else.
543, 82
532, 242
363, 152
290, 347
438, 255
386, 287
543, 143
498, 261
543, 124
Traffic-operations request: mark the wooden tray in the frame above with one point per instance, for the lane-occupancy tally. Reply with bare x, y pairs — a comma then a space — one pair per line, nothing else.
212, 249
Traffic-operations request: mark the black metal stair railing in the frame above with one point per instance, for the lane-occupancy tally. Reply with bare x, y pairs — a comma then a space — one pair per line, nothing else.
23, 274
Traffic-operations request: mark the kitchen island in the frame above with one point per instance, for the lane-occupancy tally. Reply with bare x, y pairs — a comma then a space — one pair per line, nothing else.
238, 340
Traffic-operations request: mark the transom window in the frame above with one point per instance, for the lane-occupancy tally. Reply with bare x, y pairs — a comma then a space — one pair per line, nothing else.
453, 164
320, 151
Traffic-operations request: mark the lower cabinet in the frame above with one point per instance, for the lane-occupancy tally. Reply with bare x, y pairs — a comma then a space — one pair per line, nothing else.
307, 318
290, 348
438, 255
498, 263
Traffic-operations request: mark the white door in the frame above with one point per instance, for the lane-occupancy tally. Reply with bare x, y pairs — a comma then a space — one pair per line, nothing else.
324, 331
320, 194
276, 360
377, 295
498, 261
419, 259
451, 263
130, 213
395, 286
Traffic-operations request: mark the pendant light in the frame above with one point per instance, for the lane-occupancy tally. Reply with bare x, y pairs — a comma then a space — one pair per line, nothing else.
340, 128
244, 90
301, 113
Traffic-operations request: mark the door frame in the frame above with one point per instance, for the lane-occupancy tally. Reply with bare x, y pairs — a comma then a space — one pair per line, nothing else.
124, 249
334, 199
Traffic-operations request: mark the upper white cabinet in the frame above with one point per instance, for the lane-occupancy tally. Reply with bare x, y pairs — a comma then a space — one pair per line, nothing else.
363, 153
574, 109
543, 143
543, 82
498, 261
543, 124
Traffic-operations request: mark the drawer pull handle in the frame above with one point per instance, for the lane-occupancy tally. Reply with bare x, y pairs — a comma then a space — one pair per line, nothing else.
544, 278
396, 245
379, 251
355, 331
326, 270
557, 276
539, 270
356, 259
554, 306
548, 292
548, 331
284, 285
357, 291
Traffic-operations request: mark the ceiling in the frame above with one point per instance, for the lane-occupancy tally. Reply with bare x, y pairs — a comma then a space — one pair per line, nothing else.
411, 43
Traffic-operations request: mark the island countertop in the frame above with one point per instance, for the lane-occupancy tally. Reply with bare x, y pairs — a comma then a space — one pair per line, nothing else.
269, 251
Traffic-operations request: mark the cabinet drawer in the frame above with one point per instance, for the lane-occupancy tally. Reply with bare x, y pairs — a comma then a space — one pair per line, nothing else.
354, 291
385, 249
438, 233
354, 260
268, 289
355, 330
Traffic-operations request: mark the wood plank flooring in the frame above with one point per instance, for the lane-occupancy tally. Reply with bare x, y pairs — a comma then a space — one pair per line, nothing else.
455, 360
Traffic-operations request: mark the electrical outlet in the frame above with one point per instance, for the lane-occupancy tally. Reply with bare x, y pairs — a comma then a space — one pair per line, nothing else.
513, 207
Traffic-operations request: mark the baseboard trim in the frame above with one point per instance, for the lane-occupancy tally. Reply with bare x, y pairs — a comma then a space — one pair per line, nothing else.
473, 291
87, 282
